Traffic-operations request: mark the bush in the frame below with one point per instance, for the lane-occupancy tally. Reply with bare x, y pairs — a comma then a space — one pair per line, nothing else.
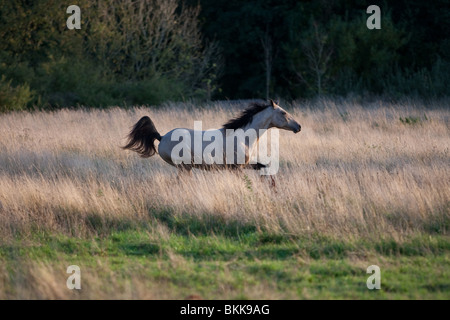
135, 52
14, 98
71, 82
151, 91
423, 83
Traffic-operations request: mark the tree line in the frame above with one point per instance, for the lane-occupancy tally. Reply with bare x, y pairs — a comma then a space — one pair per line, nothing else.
127, 52
131, 52
296, 49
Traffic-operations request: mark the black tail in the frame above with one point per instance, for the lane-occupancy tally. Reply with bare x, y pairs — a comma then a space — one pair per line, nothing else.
142, 138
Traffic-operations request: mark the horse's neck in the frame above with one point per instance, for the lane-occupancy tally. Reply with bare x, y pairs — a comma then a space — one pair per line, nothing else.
261, 121
260, 124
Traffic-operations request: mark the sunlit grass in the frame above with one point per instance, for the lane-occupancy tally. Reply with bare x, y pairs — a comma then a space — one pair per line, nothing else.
358, 186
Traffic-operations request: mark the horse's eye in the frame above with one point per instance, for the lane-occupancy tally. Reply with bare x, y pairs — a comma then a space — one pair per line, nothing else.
283, 113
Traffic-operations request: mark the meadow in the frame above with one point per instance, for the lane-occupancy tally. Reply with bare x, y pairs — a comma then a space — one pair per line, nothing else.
363, 183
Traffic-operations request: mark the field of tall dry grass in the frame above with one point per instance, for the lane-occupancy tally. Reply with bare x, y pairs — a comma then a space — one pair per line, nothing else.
361, 182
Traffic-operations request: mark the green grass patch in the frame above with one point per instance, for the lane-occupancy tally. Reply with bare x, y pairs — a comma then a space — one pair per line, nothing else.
221, 265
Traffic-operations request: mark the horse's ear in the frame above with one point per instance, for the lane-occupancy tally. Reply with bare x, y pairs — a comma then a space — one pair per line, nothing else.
272, 103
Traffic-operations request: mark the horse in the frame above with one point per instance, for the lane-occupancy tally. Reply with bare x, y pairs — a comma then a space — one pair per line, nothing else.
258, 117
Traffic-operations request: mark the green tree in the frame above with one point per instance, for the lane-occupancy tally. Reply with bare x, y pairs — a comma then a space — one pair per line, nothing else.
128, 51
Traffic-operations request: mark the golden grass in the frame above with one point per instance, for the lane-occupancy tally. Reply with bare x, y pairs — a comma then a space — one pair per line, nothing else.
351, 172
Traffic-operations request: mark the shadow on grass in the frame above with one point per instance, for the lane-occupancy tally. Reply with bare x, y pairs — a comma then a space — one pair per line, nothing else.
203, 224
211, 236
182, 224
139, 249
101, 225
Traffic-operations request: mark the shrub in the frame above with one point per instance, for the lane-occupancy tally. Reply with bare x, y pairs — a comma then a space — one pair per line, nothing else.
14, 98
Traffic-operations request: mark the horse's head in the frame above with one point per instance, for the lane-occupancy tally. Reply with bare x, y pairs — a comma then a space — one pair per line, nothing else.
282, 119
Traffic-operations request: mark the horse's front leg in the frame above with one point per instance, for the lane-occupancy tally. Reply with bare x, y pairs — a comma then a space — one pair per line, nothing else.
259, 166
272, 182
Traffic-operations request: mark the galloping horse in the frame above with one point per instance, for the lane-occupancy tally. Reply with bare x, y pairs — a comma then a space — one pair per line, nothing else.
257, 116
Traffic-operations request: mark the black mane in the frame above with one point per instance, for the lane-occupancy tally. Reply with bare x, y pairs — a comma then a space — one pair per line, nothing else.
246, 116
